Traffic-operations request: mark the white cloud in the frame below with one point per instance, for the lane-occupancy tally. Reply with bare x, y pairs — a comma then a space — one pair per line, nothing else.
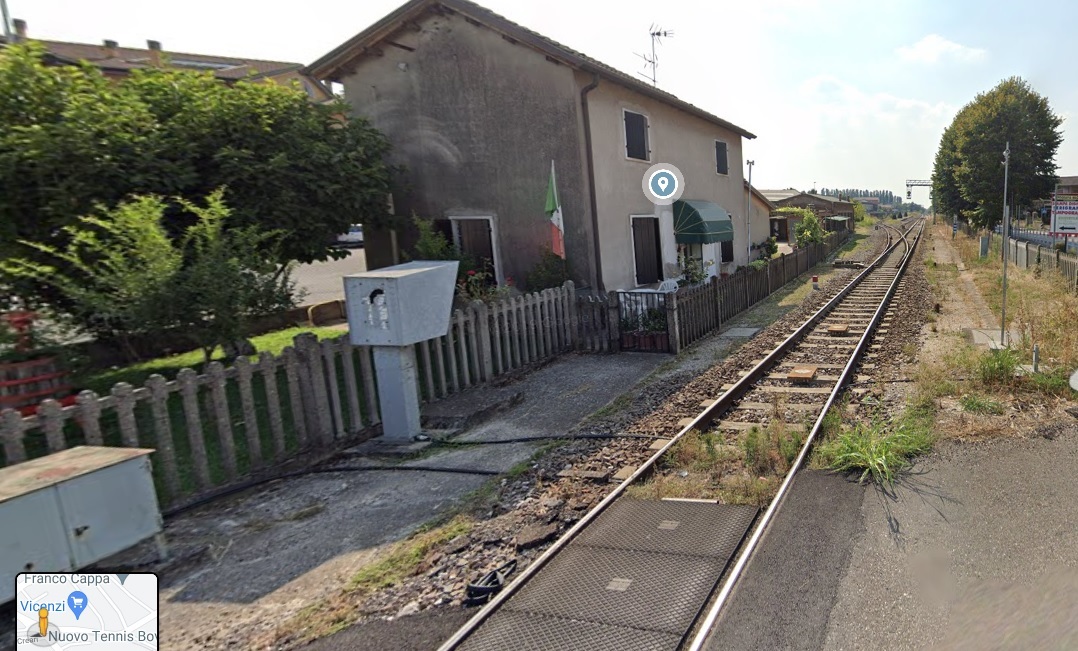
838, 134
934, 48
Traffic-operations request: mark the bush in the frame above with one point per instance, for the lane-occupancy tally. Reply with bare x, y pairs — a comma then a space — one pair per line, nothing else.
654, 320
768, 248
757, 265
550, 272
695, 271
433, 245
125, 278
480, 286
809, 231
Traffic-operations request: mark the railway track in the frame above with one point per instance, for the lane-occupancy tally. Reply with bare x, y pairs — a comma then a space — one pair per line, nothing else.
640, 574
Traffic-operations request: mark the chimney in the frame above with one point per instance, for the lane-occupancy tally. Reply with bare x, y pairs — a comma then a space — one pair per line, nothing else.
110, 48
155, 52
20, 29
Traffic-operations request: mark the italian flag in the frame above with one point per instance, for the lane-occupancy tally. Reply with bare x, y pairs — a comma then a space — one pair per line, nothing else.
553, 210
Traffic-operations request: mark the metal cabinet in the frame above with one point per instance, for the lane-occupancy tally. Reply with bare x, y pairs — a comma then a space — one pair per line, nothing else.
71, 509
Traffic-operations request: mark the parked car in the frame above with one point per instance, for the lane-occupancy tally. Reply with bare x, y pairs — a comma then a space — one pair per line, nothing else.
354, 236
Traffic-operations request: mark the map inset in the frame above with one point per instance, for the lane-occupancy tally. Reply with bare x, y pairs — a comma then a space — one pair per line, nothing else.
57, 611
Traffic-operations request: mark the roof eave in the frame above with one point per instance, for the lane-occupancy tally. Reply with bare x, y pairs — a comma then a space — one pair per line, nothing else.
324, 67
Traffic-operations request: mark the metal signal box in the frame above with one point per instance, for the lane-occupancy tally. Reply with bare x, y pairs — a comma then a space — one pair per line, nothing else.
400, 305
71, 509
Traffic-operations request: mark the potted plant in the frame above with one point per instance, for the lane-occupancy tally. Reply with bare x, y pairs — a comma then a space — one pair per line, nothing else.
654, 325
627, 327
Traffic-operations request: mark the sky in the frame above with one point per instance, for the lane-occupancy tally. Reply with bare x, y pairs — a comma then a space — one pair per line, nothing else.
840, 93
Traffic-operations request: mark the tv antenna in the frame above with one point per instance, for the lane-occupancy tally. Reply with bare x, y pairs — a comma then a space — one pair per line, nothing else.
657, 34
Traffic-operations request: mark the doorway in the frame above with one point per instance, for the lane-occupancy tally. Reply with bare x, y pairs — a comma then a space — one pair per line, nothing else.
477, 237
646, 252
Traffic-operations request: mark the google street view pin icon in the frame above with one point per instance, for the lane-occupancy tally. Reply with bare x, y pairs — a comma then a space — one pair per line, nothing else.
663, 184
122, 578
77, 602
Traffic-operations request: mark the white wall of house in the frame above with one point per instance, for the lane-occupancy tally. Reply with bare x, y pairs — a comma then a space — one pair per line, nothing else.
760, 220
675, 137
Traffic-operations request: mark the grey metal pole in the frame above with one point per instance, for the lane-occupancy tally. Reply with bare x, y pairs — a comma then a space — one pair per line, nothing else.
7, 21
748, 218
1006, 235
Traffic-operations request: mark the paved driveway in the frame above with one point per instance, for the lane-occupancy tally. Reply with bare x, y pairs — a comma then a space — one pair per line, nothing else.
322, 280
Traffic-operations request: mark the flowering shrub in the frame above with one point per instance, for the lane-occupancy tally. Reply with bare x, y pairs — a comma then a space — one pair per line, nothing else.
695, 271
480, 286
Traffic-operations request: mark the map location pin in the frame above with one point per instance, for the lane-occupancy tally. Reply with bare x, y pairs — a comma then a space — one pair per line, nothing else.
663, 182
77, 602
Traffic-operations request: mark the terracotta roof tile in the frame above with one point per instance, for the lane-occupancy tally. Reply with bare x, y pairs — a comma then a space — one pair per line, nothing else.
127, 58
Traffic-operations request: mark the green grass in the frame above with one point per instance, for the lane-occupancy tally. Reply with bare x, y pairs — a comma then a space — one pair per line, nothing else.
403, 557
1055, 382
181, 433
998, 367
102, 380
859, 239
881, 449
397, 563
982, 405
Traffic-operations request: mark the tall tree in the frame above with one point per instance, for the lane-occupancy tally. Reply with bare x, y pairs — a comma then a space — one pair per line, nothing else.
970, 158
71, 140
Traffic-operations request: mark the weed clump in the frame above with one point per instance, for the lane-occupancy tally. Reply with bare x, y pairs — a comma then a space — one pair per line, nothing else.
996, 367
880, 449
982, 405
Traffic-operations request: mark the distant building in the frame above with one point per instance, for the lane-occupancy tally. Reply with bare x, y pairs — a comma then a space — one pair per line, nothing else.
117, 62
834, 213
871, 204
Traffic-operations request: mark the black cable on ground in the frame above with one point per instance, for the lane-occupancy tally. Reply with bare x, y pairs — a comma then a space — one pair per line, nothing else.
530, 439
239, 488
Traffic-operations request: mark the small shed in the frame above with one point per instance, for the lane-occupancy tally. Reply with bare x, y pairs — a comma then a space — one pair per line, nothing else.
838, 224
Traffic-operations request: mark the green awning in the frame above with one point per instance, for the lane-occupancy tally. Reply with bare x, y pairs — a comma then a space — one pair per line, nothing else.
701, 222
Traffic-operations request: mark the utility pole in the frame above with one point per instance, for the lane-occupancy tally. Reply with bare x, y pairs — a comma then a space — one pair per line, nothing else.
1006, 234
748, 218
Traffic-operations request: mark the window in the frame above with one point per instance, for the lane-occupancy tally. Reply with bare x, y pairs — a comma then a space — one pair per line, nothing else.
636, 136
727, 251
722, 163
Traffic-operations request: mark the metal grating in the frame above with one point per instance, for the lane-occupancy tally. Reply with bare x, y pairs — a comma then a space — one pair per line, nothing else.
692, 528
659, 592
532, 632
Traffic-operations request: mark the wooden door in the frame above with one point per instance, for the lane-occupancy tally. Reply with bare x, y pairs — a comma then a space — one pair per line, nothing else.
475, 238
646, 250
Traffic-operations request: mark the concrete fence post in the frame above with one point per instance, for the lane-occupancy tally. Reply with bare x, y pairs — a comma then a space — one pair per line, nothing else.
672, 323
574, 324
613, 320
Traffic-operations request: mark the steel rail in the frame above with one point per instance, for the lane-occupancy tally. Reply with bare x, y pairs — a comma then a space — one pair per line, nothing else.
705, 629
705, 417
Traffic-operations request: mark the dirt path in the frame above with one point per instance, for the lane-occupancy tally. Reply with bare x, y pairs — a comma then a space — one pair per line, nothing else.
966, 308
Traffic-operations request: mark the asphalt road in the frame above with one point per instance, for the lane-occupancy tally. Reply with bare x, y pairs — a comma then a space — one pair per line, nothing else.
974, 549
785, 595
322, 280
